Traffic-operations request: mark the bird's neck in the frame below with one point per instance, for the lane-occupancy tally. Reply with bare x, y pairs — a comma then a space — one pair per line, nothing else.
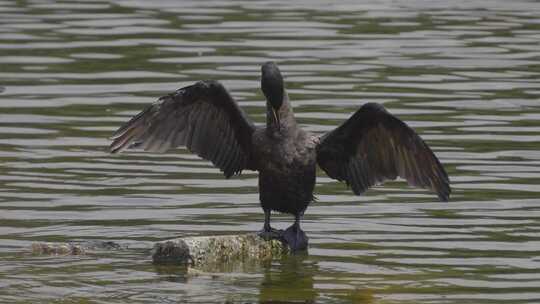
286, 118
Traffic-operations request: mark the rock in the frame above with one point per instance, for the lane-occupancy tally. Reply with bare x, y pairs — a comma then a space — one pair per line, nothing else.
215, 250
210, 253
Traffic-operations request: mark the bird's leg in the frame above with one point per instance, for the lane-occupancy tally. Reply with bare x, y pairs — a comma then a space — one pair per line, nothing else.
269, 233
296, 237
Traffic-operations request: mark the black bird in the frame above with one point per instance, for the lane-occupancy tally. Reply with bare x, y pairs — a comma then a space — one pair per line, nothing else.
370, 147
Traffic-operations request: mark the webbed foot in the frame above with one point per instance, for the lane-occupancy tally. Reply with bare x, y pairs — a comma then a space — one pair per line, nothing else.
296, 238
270, 234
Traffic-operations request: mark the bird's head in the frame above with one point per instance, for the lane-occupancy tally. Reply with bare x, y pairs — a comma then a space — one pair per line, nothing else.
272, 87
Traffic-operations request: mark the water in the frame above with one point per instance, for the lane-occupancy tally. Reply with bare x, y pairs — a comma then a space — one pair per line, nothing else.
464, 74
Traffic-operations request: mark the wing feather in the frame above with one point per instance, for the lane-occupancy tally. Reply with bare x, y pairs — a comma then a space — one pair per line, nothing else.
374, 146
203, 117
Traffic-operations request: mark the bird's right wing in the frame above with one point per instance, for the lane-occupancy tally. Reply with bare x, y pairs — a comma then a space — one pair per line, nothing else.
203, 117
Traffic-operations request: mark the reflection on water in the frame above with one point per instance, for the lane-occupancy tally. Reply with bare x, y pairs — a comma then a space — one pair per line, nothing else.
464, 74
291, 273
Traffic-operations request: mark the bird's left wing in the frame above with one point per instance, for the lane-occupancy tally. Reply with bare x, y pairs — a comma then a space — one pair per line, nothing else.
203, 117
373, 146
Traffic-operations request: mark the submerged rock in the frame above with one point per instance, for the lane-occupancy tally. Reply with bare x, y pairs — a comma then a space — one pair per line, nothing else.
46, 248
73, 248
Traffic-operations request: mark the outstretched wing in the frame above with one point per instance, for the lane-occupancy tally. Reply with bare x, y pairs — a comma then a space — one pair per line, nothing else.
203, 117
373, 146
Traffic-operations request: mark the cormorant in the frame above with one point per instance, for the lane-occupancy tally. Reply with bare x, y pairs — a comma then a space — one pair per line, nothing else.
370, 147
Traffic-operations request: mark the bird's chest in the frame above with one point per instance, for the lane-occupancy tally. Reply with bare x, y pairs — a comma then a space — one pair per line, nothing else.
284, 154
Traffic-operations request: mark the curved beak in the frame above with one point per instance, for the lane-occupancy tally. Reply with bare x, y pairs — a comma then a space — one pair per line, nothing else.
275, 116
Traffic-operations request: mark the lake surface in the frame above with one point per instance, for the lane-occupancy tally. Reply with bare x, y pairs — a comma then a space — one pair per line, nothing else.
464, 74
